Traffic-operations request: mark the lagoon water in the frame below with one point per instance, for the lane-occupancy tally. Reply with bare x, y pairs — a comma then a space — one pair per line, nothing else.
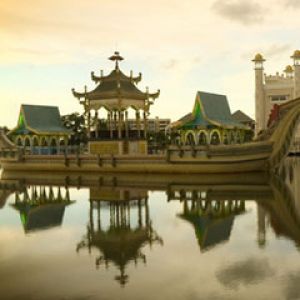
111, 237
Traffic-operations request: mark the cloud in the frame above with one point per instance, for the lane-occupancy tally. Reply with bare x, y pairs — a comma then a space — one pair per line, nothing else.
292, 3
245, 12
273, 50
250, 271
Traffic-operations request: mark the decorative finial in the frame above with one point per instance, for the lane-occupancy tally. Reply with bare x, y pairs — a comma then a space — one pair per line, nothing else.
116, 57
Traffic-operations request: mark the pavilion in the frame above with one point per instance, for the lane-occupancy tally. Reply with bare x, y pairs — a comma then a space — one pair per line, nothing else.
210, 123
116, 93
40, 130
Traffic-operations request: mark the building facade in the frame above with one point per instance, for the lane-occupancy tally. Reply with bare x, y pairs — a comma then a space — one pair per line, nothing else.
40, 130
274, 89
210, 122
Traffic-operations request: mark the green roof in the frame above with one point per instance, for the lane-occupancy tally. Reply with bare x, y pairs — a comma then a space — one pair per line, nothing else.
240, 116
210, 110
40, 120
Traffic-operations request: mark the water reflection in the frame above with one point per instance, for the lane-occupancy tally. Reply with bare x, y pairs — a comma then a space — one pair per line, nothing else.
250, 219
212, 220
41, 207
119, 240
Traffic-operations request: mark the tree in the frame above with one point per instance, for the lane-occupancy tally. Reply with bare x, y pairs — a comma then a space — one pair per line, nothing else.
76, 123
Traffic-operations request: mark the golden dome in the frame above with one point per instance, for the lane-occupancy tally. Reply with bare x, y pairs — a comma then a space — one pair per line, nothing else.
296, 54
288, 69
258, 57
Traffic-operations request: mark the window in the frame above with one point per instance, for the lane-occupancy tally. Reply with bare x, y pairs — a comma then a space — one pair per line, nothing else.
279, 98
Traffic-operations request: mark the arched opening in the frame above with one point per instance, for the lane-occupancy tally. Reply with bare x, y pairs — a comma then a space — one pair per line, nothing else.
225, 138
190, 139
35, 145
19, 141
238, 137
27, 144
232, 137
53, 146
202, 138
215, 138
178, 140
35, 141
44, 146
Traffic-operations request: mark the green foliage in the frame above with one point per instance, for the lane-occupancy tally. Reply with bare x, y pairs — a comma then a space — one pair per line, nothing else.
76, 123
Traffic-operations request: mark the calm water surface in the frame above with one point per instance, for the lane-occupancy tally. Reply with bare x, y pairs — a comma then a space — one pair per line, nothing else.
108, 237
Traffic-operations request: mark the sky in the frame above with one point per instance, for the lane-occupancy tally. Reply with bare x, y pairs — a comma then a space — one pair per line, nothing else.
181, 47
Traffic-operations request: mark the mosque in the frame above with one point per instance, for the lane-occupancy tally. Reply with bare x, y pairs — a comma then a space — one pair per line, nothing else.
275, 89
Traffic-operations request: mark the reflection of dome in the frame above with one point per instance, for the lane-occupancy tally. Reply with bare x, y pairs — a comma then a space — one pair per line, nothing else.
258, 57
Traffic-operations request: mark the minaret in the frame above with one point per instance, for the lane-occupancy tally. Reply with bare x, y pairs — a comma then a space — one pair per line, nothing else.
296, 59
260, 122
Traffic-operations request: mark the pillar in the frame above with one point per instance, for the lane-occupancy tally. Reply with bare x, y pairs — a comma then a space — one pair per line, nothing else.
120, 117
96, 124
89, 124
260, 109
145, 125
109, 117
126, 125
296, 59
138, 123
115, 120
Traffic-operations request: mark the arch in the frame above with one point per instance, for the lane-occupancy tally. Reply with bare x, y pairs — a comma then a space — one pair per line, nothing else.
19, 141
215, 137
202, 137
232, 137
27, 142
35, 141
238, 137
226, 139
190, 138
44, 141
53, 145
177, 140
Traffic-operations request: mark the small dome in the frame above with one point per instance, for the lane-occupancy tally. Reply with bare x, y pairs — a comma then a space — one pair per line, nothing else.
258, 57
296, 54
288, 69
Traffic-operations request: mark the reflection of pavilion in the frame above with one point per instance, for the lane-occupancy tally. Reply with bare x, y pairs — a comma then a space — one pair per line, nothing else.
120, 241
212, 219
41, 208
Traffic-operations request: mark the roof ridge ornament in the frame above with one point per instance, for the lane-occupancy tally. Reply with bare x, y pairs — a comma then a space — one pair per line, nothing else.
116, 57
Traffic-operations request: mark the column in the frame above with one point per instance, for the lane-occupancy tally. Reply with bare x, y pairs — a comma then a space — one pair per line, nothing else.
115, 120
138, 123
109, 117
126, 125
145, 125
89, 124
96, 124
119, 124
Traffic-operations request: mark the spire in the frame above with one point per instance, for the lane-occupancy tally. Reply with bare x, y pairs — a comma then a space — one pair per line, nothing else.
116, 57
